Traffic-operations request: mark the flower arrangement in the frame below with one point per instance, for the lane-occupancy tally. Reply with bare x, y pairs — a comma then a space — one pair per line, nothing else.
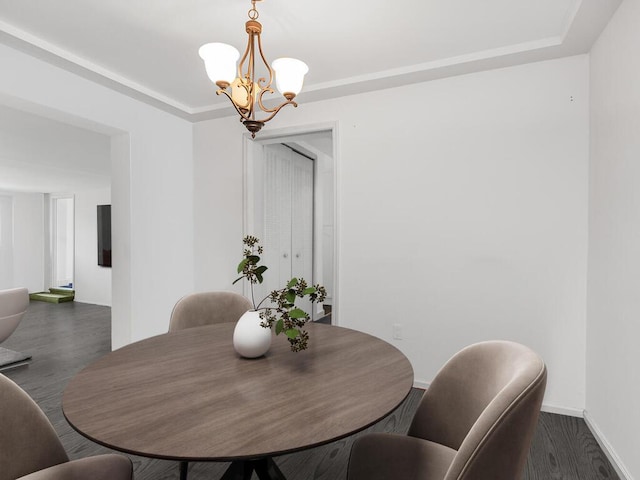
285, 315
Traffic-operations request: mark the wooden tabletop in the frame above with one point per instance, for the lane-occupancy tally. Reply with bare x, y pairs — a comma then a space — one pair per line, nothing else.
188, 396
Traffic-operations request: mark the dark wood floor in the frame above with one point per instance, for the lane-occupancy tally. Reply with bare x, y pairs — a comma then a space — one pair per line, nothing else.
64, 338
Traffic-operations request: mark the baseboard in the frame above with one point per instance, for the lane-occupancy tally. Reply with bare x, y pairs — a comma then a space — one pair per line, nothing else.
421, 384
91, 302
607, 448
570, 412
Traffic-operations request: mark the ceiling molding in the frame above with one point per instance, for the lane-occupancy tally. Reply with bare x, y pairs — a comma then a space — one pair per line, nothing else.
542, 49
61, 56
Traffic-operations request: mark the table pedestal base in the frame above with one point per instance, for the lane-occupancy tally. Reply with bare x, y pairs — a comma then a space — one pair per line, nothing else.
265, 468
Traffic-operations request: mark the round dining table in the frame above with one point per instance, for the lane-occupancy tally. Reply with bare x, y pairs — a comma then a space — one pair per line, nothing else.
188, 396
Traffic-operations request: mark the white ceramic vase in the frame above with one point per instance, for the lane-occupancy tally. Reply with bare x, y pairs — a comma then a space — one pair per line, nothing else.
250, 339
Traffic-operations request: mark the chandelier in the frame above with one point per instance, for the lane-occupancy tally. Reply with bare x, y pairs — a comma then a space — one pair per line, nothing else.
239, 82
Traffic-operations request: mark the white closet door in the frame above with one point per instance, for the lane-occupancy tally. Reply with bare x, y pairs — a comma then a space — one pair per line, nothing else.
276, 211
302, 222
279, 200
287, 213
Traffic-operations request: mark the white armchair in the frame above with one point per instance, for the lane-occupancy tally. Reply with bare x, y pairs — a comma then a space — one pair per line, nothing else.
13, 305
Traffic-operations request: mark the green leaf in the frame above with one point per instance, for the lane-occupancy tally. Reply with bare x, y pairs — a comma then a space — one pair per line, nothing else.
260, 270
291, 296
242, 265
292, 283
309, 290
297, 313
237, 280
258, 277
292, 333
279, 326
253, 259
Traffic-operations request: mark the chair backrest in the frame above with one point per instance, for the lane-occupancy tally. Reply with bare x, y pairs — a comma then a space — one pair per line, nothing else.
28, 442
484, 403
13, 305
206, 308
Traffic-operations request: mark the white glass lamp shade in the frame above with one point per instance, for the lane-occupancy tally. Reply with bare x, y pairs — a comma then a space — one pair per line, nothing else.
220, 61
289, 75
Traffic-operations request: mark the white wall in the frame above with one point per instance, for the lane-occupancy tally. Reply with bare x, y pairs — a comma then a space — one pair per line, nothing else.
462, 213
92, 282
152, 195
475, 212
22, 259
62, 158
613, 384
217, 204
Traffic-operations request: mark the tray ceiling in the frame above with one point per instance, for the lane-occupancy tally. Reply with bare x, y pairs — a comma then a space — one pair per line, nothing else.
149, 50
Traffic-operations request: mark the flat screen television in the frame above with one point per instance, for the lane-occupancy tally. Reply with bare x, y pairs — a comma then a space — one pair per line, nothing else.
104, 235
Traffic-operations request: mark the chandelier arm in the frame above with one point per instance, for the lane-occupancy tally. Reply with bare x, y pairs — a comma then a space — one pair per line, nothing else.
261, 105
244, 57
277, 109
264, 60
224, 92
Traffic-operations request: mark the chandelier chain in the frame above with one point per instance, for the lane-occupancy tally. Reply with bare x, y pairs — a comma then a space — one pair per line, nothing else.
253, 13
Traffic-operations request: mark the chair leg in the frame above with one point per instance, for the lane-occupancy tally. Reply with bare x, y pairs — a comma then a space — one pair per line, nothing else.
184, 469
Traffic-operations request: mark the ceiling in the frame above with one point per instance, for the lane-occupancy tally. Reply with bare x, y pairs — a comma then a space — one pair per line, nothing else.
149, 49
47, 156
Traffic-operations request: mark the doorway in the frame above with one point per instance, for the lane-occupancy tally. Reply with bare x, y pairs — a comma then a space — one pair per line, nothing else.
283, 216
289, 206
62, 240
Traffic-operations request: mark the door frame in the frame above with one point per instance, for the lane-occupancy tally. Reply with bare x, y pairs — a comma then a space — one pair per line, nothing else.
251, 150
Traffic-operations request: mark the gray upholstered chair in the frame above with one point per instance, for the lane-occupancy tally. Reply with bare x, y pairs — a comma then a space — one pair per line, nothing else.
207, 308
13, 306
475, 421
31, 450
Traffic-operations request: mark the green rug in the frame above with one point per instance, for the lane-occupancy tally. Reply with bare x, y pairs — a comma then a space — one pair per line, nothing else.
54, 295
62, 291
